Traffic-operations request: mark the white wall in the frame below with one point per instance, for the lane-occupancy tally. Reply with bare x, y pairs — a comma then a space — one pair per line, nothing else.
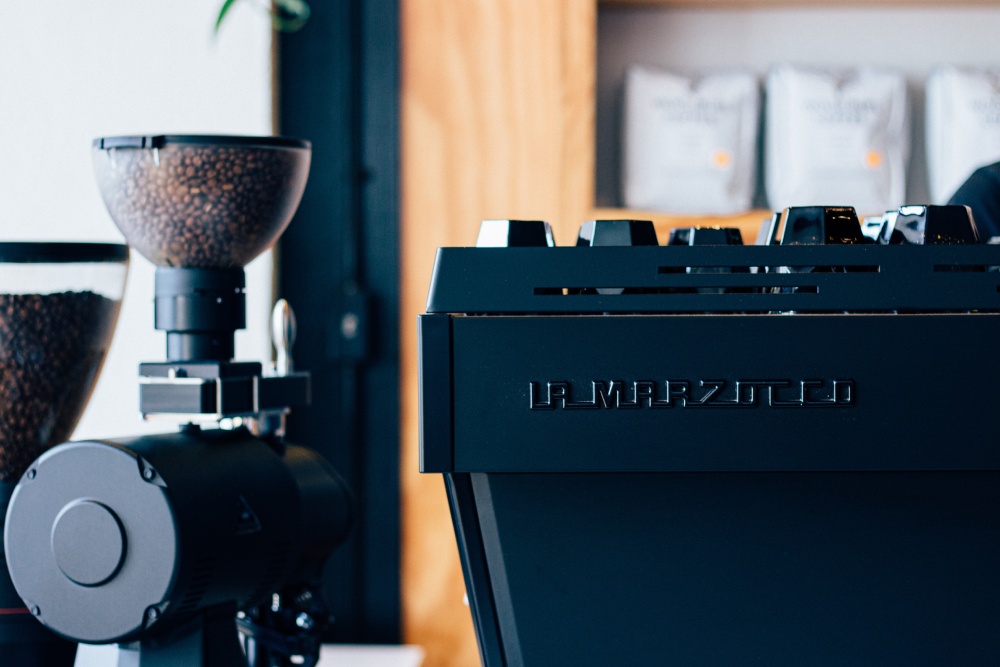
910, 39
72, 70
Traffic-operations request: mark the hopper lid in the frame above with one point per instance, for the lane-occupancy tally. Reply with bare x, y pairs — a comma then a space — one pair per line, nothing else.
161, 140
24, 252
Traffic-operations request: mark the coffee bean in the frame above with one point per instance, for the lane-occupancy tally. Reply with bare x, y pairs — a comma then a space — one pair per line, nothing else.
51, 349
203, 205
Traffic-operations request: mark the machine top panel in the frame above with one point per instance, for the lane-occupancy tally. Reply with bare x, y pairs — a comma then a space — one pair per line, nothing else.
716, 279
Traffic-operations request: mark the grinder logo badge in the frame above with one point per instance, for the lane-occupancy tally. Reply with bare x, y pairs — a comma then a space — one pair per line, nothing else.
619, 394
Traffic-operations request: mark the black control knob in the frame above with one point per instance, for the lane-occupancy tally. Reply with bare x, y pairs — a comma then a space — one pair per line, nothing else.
617, 233
715, 236
821, 225
680, 236
767, 233
705, 236
514, 234
711, 236
874, 225
927, 225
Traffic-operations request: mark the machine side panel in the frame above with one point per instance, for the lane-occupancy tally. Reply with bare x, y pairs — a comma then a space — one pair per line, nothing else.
726, 393
468, 532
435, 392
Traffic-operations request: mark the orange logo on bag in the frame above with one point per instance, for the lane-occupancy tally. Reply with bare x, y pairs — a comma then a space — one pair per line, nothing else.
873, 160
722, 159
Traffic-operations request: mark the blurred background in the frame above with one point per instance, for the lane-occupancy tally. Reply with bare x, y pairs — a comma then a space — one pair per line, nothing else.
426, 116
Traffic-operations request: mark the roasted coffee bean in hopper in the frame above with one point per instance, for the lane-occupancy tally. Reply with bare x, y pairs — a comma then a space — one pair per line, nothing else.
51, 348
185, 203
58, 306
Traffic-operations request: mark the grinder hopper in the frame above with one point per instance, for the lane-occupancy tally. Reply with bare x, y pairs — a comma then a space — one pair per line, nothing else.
209, 202
200, 208
58, 306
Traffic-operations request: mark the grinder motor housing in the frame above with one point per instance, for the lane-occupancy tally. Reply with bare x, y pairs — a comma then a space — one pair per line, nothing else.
155, 529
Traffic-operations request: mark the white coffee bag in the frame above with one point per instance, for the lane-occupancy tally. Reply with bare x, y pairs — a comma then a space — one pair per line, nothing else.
690, 143
836, 138
963, 126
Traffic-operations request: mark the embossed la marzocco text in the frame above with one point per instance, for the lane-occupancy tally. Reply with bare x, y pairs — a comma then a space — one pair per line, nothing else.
654, 394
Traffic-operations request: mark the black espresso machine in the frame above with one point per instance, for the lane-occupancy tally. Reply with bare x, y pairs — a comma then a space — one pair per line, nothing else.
779, 454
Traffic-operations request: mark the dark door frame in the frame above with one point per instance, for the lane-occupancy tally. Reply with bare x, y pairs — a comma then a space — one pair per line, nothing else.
337, 84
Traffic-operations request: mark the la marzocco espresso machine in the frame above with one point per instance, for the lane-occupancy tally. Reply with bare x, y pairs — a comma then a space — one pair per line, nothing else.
711, 454
166, 544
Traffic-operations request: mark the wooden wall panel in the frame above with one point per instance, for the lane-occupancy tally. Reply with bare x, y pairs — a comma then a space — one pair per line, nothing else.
497, 113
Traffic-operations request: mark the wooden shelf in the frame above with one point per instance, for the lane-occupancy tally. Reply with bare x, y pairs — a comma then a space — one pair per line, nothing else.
793, 3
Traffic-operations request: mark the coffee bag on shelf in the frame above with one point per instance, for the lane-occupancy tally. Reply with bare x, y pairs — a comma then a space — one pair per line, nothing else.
963, 126
690, 142
836, 137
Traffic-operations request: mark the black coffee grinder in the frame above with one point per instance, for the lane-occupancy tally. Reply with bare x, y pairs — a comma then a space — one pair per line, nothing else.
166, 544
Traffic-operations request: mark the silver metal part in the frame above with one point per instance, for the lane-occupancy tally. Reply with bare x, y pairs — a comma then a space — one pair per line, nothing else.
283, 330
283, 336
230, 393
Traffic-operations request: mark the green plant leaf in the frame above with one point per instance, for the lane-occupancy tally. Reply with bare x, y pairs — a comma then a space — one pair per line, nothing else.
286, 15
226, 6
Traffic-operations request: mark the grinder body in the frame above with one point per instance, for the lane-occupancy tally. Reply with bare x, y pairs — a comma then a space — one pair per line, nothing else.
155, 530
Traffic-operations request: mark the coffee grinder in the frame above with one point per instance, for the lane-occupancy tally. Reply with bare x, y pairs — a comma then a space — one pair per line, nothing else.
166, 544
58, 306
